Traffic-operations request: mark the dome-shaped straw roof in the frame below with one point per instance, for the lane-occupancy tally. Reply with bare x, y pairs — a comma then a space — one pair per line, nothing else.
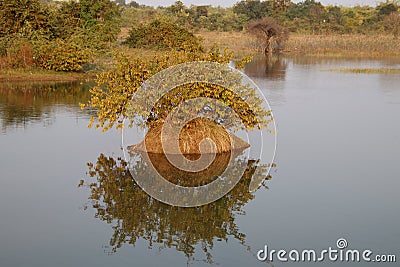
190, 137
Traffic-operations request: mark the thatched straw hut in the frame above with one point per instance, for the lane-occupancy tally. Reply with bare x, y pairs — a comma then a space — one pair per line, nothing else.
189, 139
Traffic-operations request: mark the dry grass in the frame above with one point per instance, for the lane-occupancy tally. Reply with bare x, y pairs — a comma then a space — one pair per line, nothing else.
123, 34
33, 74
189, 139
353, 45
367, 70
140, 52
239, 42
234, 41
356, 45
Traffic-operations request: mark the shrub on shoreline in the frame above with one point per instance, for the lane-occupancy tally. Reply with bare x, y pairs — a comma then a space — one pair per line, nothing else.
162, 34
62, 55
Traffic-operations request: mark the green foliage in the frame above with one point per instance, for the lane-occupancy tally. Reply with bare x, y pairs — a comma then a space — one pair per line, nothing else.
180, 12
95, 16
115, 88
386, 8
94, 12
253, 9
194, 90
162, 33
308, 16
194, 17
134, 4
62, 55
312, 16
220, 19
94, 25
64, 36
136, 15
16, 52
24, 16
392, 24
87, 13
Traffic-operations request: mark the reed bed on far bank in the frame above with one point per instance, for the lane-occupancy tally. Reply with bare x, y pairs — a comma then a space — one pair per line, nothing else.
367, 70
239, 42
332, 45
349, 44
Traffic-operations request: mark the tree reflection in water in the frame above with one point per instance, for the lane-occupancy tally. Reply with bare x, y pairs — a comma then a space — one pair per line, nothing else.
22, 103
274, 68
134, 215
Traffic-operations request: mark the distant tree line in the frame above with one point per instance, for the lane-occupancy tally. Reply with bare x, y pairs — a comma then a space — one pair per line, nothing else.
68, 35
308, 16
61, 36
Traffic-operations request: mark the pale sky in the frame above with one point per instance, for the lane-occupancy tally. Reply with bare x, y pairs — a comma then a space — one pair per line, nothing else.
232, 2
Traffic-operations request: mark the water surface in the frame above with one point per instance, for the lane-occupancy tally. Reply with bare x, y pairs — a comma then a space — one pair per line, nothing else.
337, 176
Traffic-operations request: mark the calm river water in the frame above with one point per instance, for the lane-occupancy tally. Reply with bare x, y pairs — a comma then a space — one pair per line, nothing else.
337, 176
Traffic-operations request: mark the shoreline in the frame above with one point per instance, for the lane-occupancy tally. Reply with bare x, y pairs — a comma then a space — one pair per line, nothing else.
40, 75
313, 45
